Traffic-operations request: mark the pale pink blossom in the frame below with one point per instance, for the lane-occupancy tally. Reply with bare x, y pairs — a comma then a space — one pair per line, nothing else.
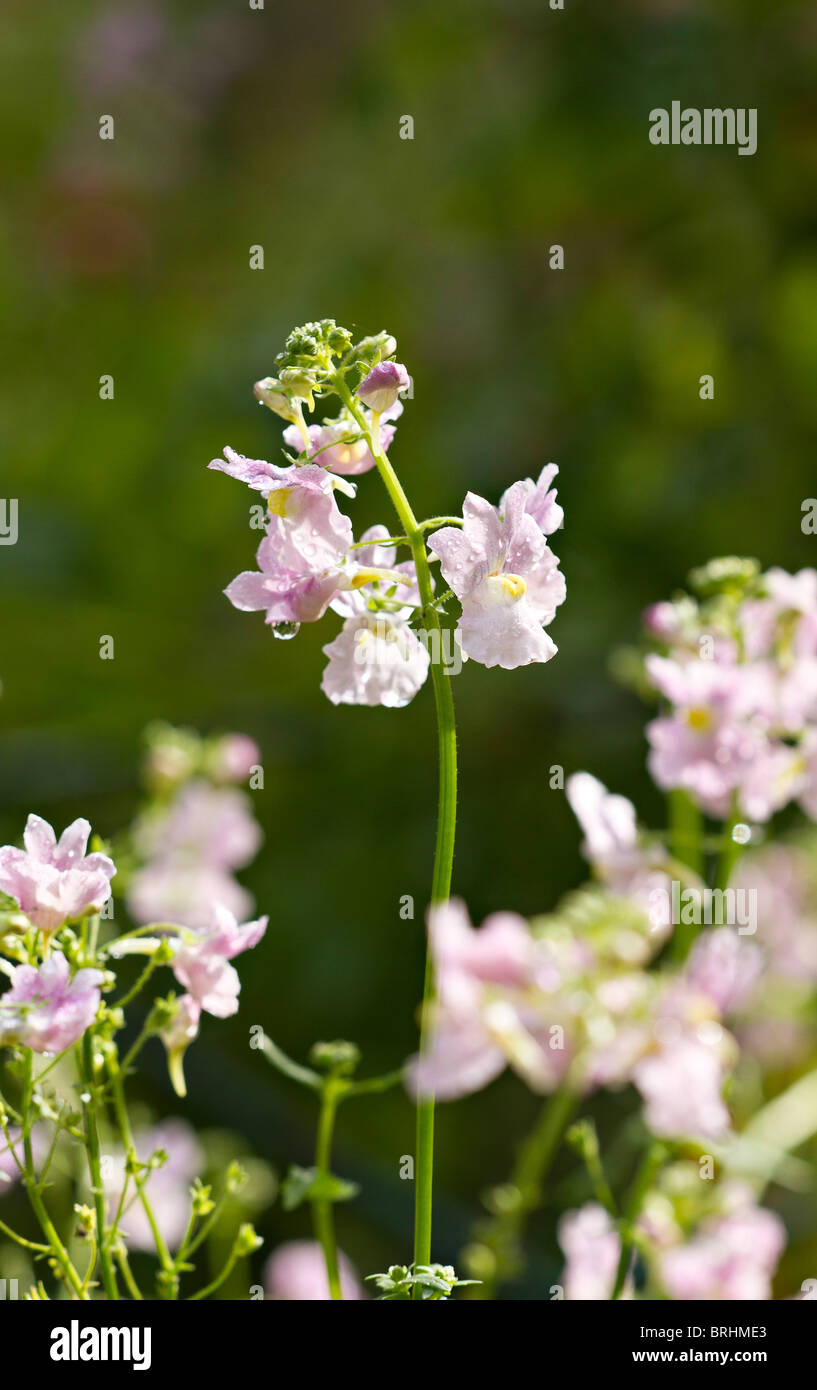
493, 1007
181, 890
708, 744
47, 1009
681, 1084
296, 1272
205, 824
53, 881
725, 967
234, 758
377, 659
613, 846
506, 578
540, 501
730, 1258
592, 1248
202, 965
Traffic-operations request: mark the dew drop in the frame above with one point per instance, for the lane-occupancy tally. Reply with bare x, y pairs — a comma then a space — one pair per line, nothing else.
285, 631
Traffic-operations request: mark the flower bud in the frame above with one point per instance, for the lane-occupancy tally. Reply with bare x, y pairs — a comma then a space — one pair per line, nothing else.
379, 390
270, 394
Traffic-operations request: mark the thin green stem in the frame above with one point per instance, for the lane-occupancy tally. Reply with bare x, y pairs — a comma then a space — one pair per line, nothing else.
654, 1156
686, 839
85, 1057
170, 1286
447, 805
37, 1205
322, 1213
21, 1240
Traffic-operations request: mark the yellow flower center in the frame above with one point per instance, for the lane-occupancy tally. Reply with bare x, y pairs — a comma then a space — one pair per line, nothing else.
699, 718
278, 499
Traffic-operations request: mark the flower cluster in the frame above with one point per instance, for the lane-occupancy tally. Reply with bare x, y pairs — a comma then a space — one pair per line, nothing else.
196, 830
736, 663
61, 959
566, 1002
495, 560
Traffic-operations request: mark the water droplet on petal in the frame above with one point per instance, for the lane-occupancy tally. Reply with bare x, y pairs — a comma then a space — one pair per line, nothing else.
285, 631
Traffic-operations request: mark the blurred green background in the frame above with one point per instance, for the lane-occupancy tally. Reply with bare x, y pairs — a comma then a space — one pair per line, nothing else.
131, 258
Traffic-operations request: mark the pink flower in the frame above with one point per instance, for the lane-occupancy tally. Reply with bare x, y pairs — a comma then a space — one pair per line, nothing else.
708, 744
592, 1247
47, 1010
725, 967
53, 881
612, 845
541, 501
337, 444
235, 757
376, 659
202, 965
307, 541
506, 578
213, 826
489, 1014
681, 1085
296, 1272
380, 388
730, 1258
182, 890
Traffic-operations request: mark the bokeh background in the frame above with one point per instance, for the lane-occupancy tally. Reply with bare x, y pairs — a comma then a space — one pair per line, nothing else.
131, 258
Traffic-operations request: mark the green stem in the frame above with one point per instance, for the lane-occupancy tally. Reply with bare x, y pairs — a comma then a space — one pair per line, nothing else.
170, 1286
85, 1056
322, 1213
686, 839
533, 1162
37, 1204
447, 806
654, 1156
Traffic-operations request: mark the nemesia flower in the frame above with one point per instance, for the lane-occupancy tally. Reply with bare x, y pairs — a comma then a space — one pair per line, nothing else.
506, 578
213, 825
592, 1248
235, 757
181, 890
707, 745
681, 1084
376, 659
730, 1257
725, 967
296, 1271
489, 1014
612, 845
379, 390
337, 444
202, 965
541, 501
47, 1009
167, 1187
54, 880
